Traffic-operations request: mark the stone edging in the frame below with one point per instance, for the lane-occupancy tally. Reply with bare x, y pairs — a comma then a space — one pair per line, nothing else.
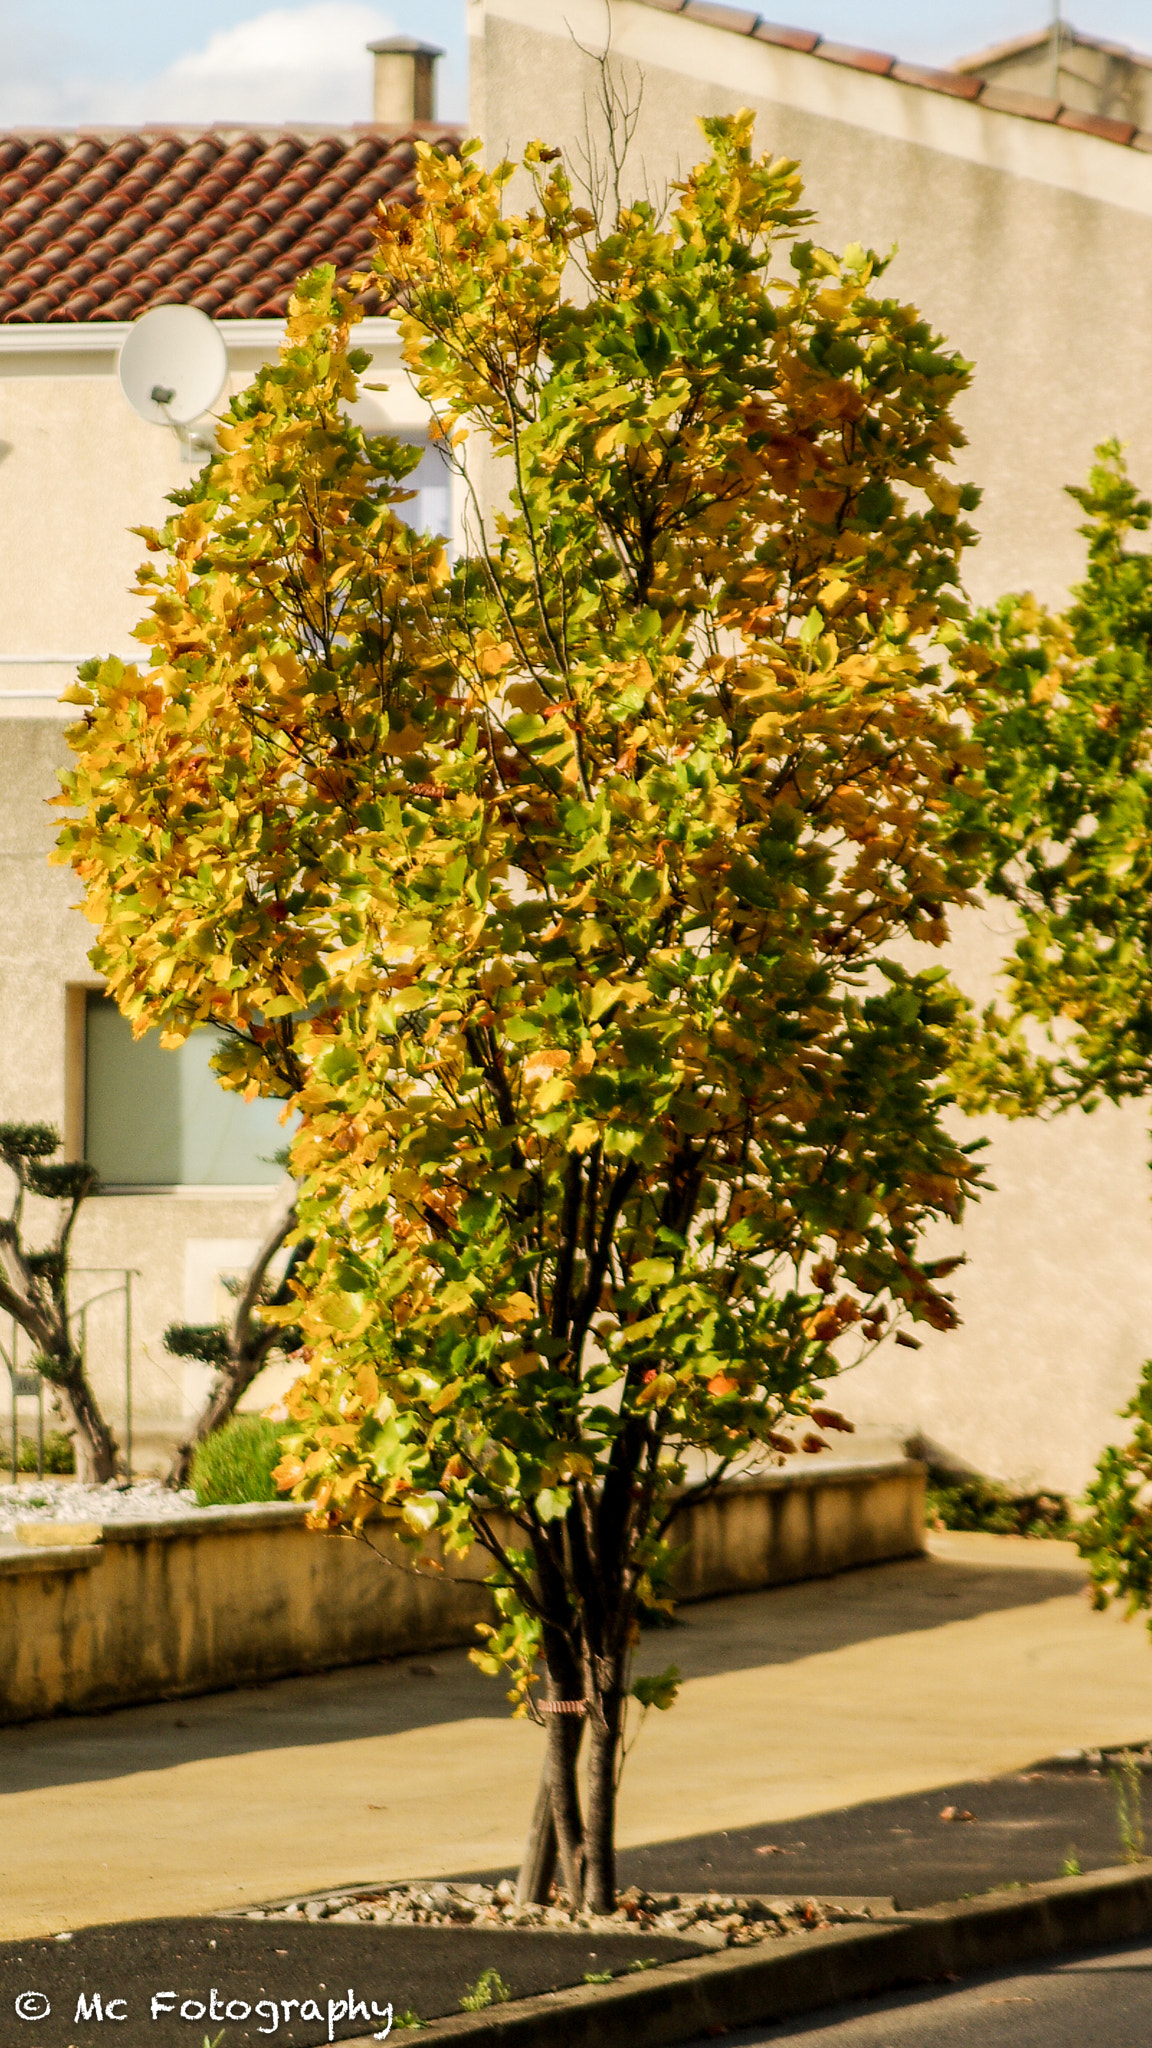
714, 1994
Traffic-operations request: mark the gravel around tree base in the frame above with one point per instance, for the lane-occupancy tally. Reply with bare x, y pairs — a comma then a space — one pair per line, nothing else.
713, 1919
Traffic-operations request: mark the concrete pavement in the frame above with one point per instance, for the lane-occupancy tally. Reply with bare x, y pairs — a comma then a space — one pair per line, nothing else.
979, 1659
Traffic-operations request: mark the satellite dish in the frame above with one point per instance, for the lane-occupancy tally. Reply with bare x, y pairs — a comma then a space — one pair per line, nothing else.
173, 365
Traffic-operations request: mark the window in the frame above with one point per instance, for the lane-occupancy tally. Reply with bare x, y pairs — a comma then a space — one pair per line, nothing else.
155, 1118
430, 511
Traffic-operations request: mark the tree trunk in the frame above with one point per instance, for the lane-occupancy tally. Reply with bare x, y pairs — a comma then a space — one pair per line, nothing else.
563, 1749
600, 1827
541, 1851
97, 1453
538, 1866
230, 1382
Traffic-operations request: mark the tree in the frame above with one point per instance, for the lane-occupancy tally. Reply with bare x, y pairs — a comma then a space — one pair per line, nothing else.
1116, 1535
238, 1351
1063, 801
1063, 804
570, 897
34, 1285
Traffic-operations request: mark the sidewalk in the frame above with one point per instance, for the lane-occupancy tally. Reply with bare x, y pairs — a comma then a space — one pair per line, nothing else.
981, 1659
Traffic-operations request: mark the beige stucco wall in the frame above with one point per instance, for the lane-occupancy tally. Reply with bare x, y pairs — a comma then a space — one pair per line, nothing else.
78, 470
1030, 248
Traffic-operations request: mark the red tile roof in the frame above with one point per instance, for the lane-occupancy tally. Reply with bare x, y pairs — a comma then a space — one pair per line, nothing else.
103, 224
962, 83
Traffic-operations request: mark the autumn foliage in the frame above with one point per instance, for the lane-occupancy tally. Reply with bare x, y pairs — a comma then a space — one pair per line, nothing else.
575, 891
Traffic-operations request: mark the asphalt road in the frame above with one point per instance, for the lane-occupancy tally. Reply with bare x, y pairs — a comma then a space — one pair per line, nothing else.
1104, 1998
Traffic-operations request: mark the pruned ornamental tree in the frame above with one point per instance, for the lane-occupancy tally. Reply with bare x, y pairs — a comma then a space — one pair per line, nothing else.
574, 895
1063, 803
238, 1350
34, 1285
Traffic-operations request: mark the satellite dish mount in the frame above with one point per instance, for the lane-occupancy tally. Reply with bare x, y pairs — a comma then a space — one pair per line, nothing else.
172, 369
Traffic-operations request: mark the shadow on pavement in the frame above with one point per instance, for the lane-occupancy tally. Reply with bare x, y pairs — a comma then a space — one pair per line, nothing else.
1024, 1829
425, 1970
743, 1632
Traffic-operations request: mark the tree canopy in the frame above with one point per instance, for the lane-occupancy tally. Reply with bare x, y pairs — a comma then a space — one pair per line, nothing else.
1062, 707
575, 891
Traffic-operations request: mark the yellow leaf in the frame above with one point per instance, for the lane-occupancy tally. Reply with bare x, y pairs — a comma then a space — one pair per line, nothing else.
583, 1135
516, 1308
521, 1364
408, 741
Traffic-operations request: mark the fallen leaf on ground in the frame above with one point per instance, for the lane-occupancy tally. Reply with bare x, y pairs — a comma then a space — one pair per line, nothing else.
956, 1813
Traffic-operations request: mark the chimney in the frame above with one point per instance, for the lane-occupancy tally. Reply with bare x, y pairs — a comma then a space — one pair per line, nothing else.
404, 87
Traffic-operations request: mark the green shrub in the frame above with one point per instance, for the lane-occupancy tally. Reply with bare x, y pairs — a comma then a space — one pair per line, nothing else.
59, 1453
235, 1464
966, 1500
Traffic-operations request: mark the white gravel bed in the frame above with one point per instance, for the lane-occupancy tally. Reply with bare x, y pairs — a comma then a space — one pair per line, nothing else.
62, 1500
712, 1919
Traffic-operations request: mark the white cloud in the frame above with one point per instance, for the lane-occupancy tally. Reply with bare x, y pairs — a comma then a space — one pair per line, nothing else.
290, 64
293, 63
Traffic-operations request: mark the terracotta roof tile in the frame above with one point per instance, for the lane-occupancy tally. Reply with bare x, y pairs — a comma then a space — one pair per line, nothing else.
738, 19
787, 38
857, 60
937, 81
1003, 100
1097, 124
102, 226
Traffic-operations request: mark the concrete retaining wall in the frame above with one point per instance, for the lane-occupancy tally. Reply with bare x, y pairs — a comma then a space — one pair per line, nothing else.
803, 1524
230, 1595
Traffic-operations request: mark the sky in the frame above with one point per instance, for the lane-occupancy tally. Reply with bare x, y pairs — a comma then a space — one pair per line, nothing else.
64, 61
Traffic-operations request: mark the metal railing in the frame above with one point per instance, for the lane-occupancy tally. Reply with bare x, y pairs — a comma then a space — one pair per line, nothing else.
29, 1384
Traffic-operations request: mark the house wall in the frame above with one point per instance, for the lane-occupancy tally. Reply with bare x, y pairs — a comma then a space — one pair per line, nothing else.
1098, 80
1030, 248
78, 470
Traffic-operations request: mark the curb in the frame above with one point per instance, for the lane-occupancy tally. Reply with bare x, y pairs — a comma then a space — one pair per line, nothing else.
716, 1994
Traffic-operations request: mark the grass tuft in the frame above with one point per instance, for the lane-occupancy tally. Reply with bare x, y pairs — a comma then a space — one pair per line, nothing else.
489, 1989
234, 1465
